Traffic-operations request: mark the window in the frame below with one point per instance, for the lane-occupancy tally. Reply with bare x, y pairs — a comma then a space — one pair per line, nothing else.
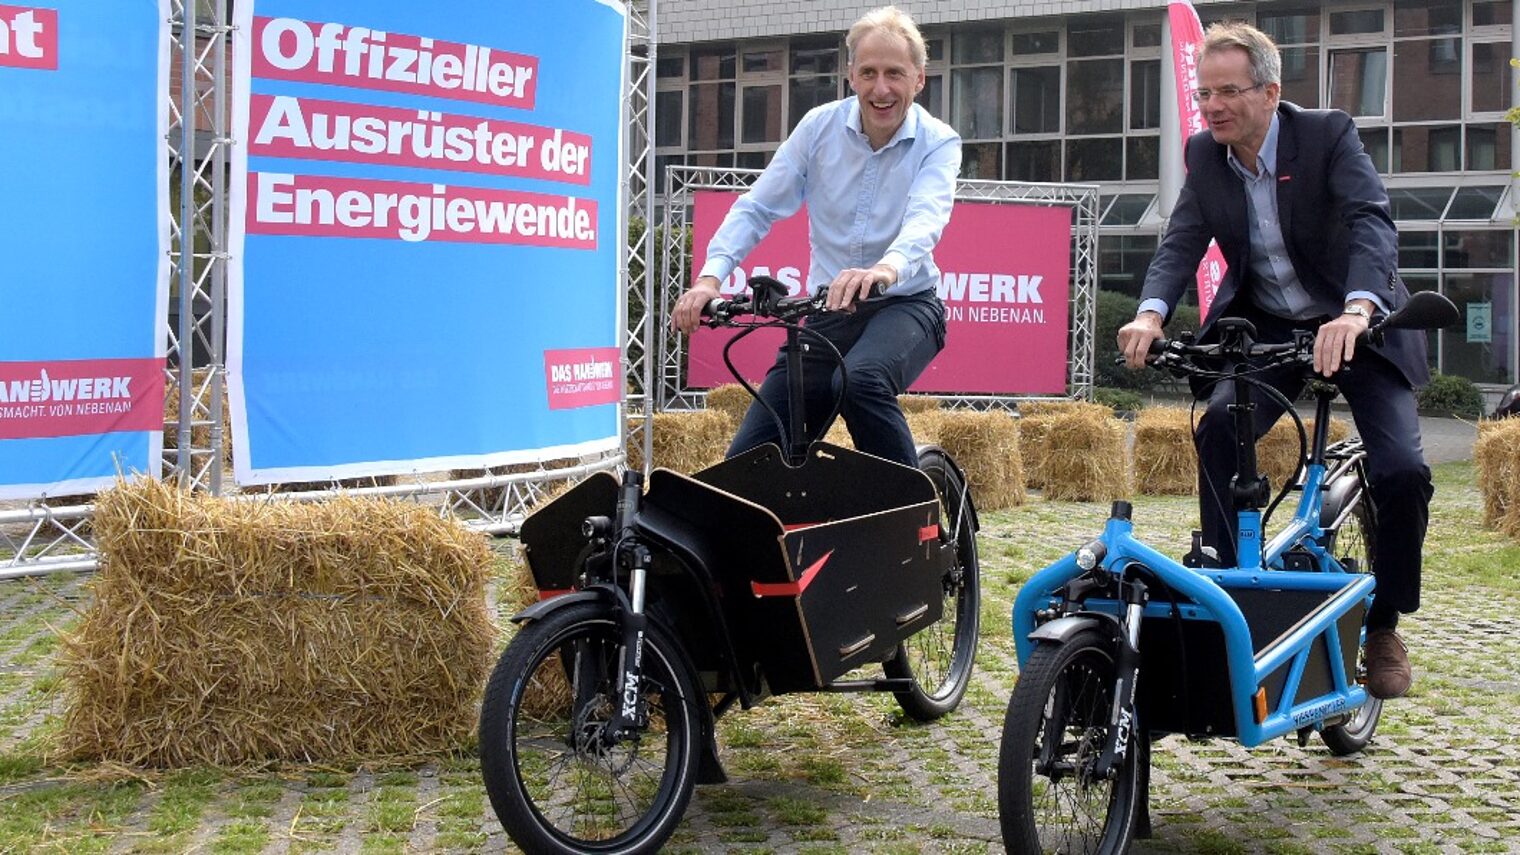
667, 109
1034, 99
980, 160
814, 77
1095, 96
1145, 94
1297, 36
1488, 146
1426, 17
1034, 161
1356, 22
1359, 80
976, 92
1490, 77
1425, 148
1142, 158
1097, 159
1427, 80
1031, 44
762, 114
1095, 35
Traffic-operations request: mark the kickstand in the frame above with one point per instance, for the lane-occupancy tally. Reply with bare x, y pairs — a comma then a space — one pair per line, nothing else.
1143, 798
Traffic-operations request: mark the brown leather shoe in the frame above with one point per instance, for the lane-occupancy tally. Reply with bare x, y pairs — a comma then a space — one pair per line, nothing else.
1388, 672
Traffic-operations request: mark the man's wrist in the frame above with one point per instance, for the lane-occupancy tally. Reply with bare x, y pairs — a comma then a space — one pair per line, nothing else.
1360, 308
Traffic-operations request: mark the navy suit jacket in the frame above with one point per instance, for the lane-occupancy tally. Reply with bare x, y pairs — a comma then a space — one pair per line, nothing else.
1334, 217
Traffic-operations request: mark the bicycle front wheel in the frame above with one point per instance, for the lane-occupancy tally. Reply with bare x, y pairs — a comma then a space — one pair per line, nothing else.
1050, 798
938, 658
558, 781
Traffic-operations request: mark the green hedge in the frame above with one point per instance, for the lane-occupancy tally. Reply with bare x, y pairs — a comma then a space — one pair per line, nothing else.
1114, 311
1449, 395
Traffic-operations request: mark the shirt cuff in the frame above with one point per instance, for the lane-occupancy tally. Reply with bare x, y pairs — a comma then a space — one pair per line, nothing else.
1154, 304
1368, 295
717, 268
898, 262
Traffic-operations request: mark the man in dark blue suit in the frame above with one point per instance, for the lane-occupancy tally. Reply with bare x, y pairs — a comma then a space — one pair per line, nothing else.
1303, 221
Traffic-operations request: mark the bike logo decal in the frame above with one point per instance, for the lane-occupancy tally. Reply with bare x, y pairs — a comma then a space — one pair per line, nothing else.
1320, 711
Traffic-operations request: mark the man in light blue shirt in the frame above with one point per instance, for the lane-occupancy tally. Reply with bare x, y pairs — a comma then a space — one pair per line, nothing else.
877, 174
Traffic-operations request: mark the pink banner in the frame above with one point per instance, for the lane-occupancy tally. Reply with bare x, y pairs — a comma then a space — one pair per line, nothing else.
29, 37
1005, 278
1187, 36
583, 377
80, 397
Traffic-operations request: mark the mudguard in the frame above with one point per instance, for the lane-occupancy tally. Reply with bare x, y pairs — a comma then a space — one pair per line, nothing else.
540, 609
1340, 496
1063, 629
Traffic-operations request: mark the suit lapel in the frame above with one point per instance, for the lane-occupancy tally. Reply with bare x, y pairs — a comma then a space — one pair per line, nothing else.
1287, 157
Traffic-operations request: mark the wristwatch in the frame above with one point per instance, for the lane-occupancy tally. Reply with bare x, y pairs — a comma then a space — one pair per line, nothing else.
1355, 309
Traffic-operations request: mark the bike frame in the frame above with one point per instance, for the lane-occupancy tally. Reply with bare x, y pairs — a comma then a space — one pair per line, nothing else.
1261, 568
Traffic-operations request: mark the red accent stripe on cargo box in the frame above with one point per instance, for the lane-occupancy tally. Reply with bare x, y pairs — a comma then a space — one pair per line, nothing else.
928, 533
795, 526
548, 594
790, 589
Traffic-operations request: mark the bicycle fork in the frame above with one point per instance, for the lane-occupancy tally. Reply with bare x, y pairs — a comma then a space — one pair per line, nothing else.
1122, 714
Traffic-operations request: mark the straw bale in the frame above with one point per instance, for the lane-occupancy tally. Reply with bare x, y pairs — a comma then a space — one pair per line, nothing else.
918, 403
1034, 432
925, 425
685, 441
1277, 453
986, 445
200, 435
1166, 462
730, 398
839, 434
1496, 454
1085, 457
1055, 408
225, 632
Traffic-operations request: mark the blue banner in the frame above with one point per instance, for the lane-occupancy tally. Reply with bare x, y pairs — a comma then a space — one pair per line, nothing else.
84, 243
426, 234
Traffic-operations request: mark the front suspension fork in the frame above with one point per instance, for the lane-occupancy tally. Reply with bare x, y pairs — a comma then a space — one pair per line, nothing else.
1121, 719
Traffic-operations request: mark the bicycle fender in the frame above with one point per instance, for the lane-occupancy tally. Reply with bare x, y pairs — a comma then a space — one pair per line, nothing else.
1343, 493
1061, 630
541, 609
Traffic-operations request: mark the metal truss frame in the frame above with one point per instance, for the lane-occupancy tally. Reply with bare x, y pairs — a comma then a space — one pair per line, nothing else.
681, 182
53, 534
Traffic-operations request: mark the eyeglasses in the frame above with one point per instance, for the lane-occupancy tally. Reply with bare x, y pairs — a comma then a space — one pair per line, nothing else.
1228, 93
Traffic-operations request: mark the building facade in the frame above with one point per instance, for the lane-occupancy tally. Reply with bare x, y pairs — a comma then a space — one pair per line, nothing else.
1045, 91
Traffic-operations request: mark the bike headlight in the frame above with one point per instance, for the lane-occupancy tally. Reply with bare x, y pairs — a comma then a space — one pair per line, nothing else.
1091, 554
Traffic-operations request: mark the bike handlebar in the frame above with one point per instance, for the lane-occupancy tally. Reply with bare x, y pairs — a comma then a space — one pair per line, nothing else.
721, 312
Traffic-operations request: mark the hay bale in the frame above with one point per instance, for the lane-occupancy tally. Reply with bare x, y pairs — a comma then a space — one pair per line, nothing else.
839, 434
1496, 455
1034, 432
986, 445
1085, 457
1277, 453
1166, 462
225, 632
1057, 408
925, 425
730, 398
918, 403
684, 441
200, 434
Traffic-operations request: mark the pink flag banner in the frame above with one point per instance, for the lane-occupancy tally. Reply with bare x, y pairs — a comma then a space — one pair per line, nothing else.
1187, 36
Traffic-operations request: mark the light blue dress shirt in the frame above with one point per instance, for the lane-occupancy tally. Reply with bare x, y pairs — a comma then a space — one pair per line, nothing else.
1278, 290
864, 207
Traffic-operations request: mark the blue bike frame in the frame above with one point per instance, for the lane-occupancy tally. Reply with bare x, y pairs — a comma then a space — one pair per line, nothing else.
1207, 589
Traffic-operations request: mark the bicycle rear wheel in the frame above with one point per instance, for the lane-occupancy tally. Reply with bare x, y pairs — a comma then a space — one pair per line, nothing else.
556, 782
1354, 540
1049, 796
938, 658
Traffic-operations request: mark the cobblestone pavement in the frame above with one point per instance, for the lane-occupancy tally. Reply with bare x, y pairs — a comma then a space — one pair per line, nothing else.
847, 773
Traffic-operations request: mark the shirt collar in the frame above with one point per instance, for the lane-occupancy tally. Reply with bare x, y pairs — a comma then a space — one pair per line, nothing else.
1266, 159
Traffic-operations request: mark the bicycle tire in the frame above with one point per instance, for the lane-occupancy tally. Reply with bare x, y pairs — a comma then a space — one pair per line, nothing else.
1066, 689
556, 789
939, 658
1355, 538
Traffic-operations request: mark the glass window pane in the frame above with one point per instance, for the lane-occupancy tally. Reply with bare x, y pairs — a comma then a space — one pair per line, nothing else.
976, 101
1142, 158
815, 56
1418, 203
932, 96
710, 121
1491, 13
1427, 80
1474, 203
980, 160
1419, 249
1300, 76
1035, 99
1095, 159
1427, 149
1290, 28
715, 63
720, 159
1358, 21
759, 61
1095, 97
1146, 35
1427, 17
1127, 209
670, 66
667, 118
1358, 80
1034, 161
935, 48
1479, 348
1488, 147
1375, 143
661, 164
1027, 44
1480, 247
809, 92
983, 44
762, 114
1096, 35
1122, 262
754, 159
1490, 77
1145, 94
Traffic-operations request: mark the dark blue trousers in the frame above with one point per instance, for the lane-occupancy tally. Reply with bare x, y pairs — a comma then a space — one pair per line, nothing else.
1383, 407
886, 344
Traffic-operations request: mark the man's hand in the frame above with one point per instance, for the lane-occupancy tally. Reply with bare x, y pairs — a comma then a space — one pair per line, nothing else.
1335, 344
688, 312
854, 284
1136, 336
